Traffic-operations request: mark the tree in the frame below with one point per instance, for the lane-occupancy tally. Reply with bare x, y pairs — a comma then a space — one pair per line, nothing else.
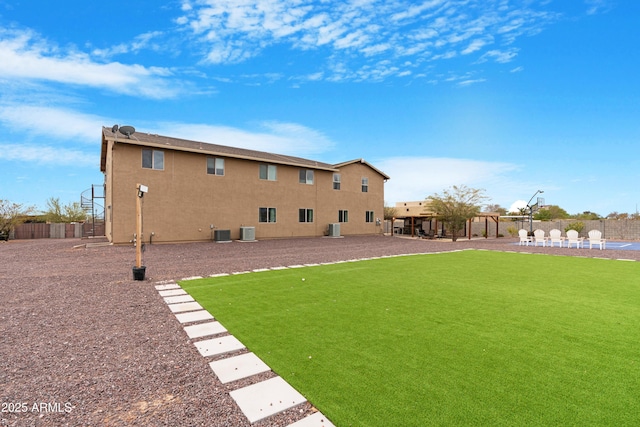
616, 215
390, 213
56, 212
12, 215
495, 208
587, 215
578, 226
551, 212
455, 206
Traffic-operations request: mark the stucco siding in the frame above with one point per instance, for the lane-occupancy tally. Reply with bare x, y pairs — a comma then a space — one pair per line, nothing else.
184, 201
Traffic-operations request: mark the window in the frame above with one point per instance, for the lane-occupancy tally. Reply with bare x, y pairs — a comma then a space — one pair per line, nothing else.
336, 181
215, 166
305, 215
365, 185
152, 159
369, 216
267, 215
343, 216
268, 172
306, 176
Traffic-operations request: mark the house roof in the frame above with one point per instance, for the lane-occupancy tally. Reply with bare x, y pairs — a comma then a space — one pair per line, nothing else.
364, 162
169, 143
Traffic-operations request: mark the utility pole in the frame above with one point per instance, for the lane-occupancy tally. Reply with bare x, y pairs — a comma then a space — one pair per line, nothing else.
139, 269
139, 227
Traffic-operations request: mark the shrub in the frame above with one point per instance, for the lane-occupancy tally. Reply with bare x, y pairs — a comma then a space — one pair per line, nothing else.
513, 231
578, 226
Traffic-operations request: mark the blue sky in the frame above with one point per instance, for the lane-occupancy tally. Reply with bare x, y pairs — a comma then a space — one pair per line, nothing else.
510, 96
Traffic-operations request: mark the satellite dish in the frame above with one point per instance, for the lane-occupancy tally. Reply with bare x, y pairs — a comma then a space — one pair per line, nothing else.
114, 129
127, 130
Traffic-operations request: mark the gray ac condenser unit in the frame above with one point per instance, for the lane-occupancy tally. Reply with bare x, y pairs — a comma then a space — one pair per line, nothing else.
247, 233
222, 235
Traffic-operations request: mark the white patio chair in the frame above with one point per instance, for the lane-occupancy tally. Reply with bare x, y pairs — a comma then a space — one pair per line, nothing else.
538, 237
555, 236
595, 238
572, 238
524, 237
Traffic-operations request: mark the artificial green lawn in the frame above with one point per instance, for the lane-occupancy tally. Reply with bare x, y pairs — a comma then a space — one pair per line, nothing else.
462, 338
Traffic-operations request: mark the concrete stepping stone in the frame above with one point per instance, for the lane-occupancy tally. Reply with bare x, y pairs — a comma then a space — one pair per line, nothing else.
185, 306
238, 367
204, 329
266, 398
315, 420
172, 292
194, 316
167, 286
179, 298
217, 346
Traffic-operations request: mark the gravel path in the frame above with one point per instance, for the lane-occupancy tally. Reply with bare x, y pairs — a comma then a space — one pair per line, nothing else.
83, 344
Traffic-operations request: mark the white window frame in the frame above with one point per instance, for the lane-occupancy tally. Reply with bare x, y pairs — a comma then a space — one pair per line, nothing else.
157, 159
369, 216
269, 213
336, 181
305, 215
218, 166
365, 184
270, 172
306, 176
343, 215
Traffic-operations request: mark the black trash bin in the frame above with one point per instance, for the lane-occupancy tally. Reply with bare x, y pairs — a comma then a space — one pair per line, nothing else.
138, 273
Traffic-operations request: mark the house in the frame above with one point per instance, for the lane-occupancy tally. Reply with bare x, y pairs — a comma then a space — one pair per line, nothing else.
195, 188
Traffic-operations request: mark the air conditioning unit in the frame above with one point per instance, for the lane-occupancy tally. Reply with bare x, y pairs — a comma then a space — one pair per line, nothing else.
222, 235
334, 230
247, 234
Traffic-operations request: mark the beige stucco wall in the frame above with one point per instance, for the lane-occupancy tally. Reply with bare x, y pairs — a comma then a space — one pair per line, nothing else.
184, 201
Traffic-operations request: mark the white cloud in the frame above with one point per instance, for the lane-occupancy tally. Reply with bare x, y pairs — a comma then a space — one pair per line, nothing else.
26, 57
356, 34
416, 9
271, 136
143, 41
60, 126
469, 82
596, 6
501, 56
474, 46
415, 178
516, 206
47, 155
52, 122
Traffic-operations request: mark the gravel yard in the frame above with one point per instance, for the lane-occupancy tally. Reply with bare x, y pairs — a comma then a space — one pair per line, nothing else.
85, 344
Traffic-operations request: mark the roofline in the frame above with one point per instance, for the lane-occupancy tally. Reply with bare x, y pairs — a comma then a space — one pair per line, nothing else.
364, 162
203, 150
221, 154
209, 149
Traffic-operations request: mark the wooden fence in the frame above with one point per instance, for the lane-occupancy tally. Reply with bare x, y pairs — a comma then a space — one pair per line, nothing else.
57, 230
